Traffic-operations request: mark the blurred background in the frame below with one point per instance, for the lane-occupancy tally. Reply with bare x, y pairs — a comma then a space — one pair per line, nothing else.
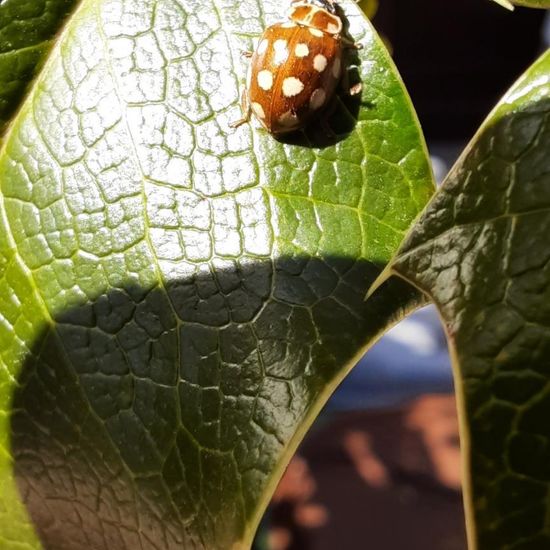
380, 469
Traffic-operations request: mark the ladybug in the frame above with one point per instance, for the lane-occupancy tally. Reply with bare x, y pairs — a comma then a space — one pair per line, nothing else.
296, 68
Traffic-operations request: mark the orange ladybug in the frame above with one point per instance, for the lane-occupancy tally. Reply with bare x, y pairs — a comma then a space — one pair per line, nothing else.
296, 68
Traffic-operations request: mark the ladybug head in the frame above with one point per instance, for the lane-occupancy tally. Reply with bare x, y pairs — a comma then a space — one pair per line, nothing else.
329, 5
305, 12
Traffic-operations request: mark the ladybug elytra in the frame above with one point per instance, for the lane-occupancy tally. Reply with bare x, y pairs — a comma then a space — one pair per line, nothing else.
296, 68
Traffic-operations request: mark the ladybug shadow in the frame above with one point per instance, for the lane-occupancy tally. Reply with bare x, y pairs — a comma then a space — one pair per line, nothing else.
338, 120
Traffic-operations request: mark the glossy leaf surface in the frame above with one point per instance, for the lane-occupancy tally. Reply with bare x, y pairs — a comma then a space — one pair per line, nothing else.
177, 298
481, 251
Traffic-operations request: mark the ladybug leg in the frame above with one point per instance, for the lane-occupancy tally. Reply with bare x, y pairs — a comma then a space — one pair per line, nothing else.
349, 88
329, 132
350, 44
246, 110
247, 54
356, 89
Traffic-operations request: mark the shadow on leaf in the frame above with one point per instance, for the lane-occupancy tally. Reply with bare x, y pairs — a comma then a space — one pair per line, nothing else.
154, 418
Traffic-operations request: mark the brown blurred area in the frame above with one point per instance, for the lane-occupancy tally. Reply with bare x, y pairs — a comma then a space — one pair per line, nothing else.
376, 480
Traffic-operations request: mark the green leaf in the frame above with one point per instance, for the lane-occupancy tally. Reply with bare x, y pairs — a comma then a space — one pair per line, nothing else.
544, 4
177, 298
509, 4
481, 251
26, 31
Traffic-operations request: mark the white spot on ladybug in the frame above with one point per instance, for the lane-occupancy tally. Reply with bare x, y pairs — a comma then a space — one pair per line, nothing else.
258, 109
281, 51
336, 68
292, 86
317, 98
333, 28
316, 32
289, 119
265, 80
263, 46
320, 62
301, 50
